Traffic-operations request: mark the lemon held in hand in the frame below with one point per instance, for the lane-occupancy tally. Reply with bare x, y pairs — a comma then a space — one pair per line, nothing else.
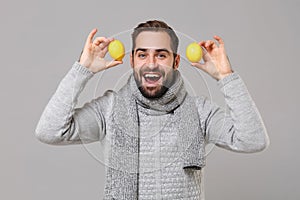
116, 50
194, 52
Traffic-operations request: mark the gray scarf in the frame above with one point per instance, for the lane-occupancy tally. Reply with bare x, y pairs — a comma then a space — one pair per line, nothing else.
123, 135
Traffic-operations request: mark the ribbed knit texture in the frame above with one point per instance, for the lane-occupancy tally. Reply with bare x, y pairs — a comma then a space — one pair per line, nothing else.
240, 129
161, 173
123, 135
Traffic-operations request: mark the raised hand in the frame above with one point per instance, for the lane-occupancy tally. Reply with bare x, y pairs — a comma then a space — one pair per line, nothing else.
216, 62
94, 51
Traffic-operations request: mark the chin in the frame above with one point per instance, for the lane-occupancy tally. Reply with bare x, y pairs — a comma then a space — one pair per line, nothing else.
153, 93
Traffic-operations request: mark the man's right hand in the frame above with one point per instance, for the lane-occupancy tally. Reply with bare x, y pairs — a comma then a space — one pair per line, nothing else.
94, 51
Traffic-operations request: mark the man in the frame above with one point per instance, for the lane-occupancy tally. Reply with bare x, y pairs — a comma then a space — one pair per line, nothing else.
153, 131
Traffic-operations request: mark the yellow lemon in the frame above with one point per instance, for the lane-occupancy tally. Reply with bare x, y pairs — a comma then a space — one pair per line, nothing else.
116, 50
194, 52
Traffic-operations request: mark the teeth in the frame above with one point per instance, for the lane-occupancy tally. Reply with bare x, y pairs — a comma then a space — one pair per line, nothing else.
151, 76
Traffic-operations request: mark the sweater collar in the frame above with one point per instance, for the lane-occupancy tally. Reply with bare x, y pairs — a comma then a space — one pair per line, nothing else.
173, 97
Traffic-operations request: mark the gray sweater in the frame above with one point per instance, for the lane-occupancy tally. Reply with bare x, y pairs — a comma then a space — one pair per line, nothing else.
161, 175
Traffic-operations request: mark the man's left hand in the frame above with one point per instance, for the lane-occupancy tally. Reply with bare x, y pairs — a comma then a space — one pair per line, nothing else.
216, 62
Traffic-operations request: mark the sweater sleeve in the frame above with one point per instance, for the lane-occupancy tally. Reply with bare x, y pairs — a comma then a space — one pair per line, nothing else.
61, 123
239, 127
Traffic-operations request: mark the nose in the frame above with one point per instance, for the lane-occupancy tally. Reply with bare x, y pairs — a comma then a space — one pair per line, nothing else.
152, 62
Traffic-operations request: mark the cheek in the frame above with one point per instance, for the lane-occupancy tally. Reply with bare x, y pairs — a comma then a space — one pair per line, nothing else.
136, 70
169, 73
168, 64
138, 63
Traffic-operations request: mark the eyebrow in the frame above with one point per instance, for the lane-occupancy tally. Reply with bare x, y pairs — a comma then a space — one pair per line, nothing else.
157, 50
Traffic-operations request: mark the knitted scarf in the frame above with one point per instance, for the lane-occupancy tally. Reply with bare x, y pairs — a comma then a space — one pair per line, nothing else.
122, 141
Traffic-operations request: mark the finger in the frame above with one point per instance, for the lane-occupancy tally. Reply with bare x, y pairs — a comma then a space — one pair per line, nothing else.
103, 51
210, 44
201, 43
219, 39
104, 44
99, 40
90, 37
113, 63
206, 56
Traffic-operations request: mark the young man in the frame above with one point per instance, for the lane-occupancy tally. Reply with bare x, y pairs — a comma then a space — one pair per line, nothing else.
153, 131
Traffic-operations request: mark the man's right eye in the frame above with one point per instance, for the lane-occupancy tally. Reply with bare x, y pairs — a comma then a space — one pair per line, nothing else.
141, 55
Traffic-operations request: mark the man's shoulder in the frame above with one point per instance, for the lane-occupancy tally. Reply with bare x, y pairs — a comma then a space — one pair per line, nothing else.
110, 96
202, 103
106, 100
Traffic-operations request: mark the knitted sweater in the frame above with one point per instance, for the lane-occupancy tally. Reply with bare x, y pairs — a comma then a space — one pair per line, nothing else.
161, 175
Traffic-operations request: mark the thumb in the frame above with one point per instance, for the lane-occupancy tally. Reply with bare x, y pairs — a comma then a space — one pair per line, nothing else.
113, 63
200, 66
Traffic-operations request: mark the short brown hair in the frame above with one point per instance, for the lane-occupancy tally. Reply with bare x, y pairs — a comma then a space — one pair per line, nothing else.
155, 25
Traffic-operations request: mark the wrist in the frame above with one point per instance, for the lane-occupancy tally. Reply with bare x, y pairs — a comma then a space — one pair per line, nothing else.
227, 79
223, 75
82, 69
86, 64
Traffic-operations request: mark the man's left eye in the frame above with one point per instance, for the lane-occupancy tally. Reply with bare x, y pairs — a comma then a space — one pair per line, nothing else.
162, 56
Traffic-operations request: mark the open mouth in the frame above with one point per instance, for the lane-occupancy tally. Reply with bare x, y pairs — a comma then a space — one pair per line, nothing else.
152, 77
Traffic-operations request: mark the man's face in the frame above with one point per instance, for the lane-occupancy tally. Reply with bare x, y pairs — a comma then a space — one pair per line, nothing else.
153, 63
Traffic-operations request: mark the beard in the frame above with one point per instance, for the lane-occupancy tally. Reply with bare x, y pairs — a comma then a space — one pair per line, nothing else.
153, 93
159, 90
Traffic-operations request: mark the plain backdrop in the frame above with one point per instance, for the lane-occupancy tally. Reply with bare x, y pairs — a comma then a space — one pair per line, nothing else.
40, 40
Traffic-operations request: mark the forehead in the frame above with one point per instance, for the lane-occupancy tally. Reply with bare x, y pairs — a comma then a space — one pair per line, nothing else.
153, 40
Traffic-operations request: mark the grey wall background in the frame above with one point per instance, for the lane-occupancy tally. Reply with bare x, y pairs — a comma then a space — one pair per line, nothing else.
40, 40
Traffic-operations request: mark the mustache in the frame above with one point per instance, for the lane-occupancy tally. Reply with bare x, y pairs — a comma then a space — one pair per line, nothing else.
147, 69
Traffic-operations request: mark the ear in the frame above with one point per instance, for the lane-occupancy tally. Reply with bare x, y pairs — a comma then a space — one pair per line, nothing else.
176, 61
131, 60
